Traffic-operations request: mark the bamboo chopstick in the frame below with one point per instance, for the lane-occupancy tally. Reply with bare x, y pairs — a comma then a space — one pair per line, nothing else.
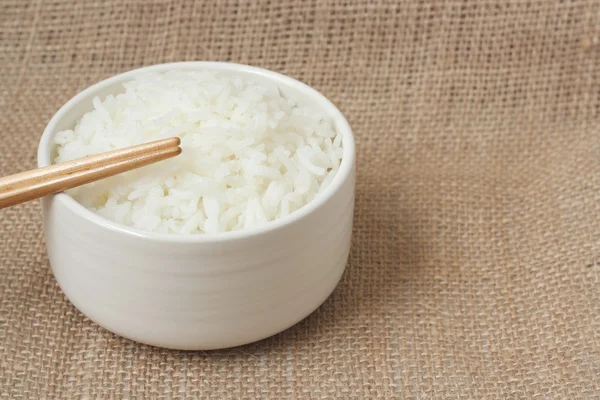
30, 185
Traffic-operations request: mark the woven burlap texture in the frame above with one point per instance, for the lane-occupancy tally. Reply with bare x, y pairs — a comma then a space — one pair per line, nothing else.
475, 266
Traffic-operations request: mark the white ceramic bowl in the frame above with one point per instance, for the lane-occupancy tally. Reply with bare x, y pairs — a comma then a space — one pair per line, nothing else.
200, 291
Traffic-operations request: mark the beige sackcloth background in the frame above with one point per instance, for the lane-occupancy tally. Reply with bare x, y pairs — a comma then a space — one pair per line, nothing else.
475, 266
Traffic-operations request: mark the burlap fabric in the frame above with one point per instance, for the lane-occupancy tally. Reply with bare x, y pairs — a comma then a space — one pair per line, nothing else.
475, 266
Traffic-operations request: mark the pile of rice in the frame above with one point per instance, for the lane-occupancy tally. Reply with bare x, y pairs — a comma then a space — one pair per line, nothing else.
249, 156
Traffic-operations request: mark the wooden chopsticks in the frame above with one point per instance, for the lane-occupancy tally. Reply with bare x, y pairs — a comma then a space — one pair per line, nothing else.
30, 185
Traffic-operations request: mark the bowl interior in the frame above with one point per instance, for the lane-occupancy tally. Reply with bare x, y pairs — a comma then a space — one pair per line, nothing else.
74, 109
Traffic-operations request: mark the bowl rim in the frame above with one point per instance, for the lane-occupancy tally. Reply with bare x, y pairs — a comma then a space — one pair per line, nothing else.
344, 172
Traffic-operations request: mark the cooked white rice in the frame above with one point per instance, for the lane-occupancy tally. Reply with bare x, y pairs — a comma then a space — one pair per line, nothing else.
249, 156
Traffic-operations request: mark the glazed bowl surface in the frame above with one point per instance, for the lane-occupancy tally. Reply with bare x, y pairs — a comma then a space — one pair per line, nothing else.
204, 291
